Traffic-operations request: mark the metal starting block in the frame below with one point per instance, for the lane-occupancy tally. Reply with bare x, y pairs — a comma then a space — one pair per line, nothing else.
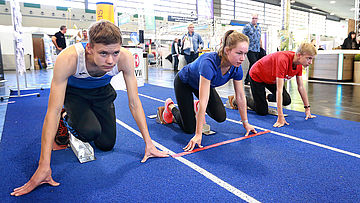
227, 105
230, 104
156, 117
152, 116
82, 150
206, 130
274, 112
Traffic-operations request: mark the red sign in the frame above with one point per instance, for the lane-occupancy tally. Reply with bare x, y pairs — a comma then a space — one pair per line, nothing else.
136, 60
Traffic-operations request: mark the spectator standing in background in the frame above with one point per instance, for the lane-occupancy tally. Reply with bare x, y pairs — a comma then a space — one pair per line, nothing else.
253, 31
84, 36
175, 53
59, 39
191, 43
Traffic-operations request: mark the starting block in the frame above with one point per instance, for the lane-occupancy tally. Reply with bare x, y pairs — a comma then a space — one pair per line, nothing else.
82, 150
152, 116
206, 130
274, 112
159, 118
230, 103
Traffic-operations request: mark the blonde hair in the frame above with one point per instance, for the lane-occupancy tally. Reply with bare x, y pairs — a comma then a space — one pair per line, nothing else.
230, 40
306, 48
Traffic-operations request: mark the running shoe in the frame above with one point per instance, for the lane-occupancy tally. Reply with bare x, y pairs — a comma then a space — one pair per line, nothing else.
167, 114
62, 135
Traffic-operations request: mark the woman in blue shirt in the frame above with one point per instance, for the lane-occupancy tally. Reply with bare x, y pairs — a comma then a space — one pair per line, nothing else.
201, 77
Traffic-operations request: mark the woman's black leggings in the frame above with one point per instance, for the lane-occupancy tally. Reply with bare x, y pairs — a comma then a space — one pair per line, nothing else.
91, 114
185, 115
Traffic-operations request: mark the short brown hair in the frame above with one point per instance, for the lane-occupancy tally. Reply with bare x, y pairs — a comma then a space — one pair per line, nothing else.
104, 32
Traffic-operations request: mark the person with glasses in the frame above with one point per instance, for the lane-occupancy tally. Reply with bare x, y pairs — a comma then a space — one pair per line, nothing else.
253, 31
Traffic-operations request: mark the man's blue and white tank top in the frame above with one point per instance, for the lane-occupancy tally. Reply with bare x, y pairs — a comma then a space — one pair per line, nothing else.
82, 79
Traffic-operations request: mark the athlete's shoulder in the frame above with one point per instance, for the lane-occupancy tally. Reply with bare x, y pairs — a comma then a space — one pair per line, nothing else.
125, 55
126, 59
69, 53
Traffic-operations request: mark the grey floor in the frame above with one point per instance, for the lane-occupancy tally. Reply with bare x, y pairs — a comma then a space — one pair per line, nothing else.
332, 100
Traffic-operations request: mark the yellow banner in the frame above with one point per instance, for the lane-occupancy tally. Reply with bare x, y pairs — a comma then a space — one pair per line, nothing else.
105, 10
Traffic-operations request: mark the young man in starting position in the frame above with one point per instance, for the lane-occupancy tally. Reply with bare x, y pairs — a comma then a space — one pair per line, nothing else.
81, 82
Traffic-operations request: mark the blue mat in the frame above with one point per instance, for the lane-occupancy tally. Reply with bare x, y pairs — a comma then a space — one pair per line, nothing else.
269, 167
272, 167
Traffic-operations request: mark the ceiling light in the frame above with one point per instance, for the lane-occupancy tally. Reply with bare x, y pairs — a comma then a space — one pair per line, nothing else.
292, 1
332, 2
352, 9
314, 7
332, 14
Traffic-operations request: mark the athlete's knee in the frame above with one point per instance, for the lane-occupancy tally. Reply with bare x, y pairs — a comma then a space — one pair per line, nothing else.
189, 130
220, 118
262, 112
105, 146
90, 133
287, 101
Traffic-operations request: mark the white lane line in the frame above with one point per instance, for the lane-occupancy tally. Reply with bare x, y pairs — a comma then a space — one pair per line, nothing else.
303, 140
153, 98
284, 135
6, 103
197, 168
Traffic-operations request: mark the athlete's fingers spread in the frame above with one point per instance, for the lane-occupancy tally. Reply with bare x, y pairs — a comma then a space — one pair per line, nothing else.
189, 147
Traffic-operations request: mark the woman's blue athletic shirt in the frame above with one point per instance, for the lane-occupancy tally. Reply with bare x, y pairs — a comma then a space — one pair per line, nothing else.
208, 66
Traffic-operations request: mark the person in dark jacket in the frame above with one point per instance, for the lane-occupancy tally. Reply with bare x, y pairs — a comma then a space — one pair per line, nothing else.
350, 42
175, 51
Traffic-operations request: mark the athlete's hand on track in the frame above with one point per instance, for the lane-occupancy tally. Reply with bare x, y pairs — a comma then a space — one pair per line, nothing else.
196, 140
152, 151
41, 176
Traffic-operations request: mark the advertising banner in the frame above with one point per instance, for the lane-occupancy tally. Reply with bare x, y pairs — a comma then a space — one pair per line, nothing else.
105, 10
118, 81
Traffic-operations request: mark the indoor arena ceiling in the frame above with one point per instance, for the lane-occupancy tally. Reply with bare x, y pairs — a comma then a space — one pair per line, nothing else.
341, 8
